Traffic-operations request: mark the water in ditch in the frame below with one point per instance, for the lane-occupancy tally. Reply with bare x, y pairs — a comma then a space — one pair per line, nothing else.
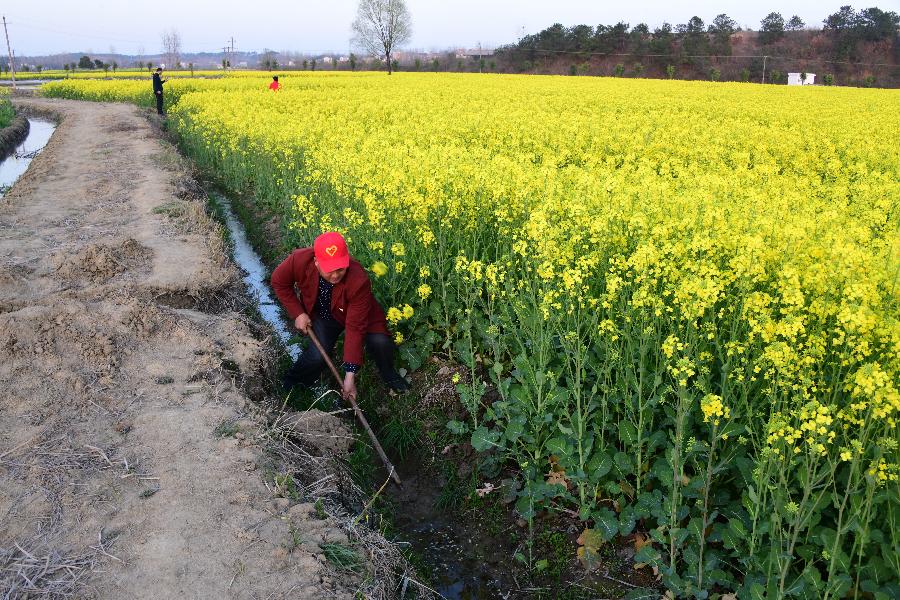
15, 165
255, 276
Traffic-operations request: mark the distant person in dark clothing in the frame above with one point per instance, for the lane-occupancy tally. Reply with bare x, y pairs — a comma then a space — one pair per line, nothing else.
274, 86
158, 82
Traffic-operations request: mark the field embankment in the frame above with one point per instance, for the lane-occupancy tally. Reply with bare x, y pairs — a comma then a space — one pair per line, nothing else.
132, 462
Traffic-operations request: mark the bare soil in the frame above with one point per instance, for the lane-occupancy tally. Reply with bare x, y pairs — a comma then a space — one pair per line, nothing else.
132, 462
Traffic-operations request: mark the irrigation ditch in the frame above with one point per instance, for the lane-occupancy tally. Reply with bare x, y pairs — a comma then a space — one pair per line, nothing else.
21, 142
453, 516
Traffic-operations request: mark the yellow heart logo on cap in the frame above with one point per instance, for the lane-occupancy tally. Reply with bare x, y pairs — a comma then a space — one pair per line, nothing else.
331, 250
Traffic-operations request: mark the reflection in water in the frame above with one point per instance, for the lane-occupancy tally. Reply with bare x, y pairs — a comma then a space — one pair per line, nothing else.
255, 276
15, 164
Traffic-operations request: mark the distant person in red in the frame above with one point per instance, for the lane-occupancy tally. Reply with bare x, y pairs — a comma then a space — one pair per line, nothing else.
335, 294
274, 86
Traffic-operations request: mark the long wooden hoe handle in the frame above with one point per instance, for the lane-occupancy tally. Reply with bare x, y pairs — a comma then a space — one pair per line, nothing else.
359, 414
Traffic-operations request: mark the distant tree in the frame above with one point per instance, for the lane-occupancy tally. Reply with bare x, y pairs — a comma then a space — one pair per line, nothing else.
435, 64
638, 69
715, 74
619, 70
573, 69
39, 68
670, 71
140, 65
795, 24
269, 61
581, 38
312, 64
417, 65
85, 62
381, 26
395, 64
105, 66
618, 34
98, 64
661, 43
828, 79
149, 68
771, 28
876, 25
171, 45
66, 69
191, 67
224, 63
493, 65
843, 29
25, 68
481, 65
745, 75
459, 65
721, 29
115, 66
305, 64
638, 38
695, 42
352, 62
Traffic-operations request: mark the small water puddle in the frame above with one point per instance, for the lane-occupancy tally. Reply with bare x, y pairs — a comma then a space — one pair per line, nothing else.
255, 276
15, 165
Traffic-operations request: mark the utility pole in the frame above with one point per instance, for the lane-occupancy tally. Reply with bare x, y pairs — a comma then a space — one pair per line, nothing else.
12, 64
479, 57
764, 68
231, 51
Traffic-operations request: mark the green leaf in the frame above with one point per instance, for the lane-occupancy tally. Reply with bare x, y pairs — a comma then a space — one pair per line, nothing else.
736, 527
624, 463
642, 594
696, 527
599, 465
513, 431
484, 438
458, 427
558, 446
757, 592
607, 525
647, 555
542, 564
627, 433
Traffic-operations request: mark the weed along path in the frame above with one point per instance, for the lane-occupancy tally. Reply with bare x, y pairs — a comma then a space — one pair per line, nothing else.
133, 462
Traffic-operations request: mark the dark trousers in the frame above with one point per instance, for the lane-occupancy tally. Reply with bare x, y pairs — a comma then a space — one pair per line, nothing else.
159, 103
309, 366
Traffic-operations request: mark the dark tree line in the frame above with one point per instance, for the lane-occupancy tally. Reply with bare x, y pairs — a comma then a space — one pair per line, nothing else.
845, 28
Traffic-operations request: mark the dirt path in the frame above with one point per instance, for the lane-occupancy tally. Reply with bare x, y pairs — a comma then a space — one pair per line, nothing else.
131, 463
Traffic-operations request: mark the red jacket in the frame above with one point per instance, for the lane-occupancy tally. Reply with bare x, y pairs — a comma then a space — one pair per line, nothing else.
352, 303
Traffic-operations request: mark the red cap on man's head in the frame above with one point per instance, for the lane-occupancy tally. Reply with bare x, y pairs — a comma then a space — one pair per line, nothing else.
331, 252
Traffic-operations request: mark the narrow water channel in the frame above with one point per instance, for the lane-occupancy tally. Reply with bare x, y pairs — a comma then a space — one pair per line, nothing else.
15, 165
255, 276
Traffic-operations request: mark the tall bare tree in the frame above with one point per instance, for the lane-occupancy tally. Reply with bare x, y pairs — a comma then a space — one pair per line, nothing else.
171, 42
381, 26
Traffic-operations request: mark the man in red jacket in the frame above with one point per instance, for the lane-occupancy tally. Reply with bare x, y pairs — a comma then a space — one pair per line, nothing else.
335, 294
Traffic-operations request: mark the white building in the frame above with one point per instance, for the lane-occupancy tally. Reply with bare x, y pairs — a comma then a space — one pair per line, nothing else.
796, 79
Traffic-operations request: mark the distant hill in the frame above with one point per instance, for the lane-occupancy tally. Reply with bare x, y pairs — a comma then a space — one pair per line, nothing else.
851, 48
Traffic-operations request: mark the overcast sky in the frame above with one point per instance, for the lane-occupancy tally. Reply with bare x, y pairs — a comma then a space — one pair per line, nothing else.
130, 27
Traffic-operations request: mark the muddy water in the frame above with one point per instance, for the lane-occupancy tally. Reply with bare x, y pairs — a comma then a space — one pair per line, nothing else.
15, 165
465, 561
255, 276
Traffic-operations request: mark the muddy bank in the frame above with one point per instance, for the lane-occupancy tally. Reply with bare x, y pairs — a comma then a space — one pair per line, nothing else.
12, 135
134, 461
